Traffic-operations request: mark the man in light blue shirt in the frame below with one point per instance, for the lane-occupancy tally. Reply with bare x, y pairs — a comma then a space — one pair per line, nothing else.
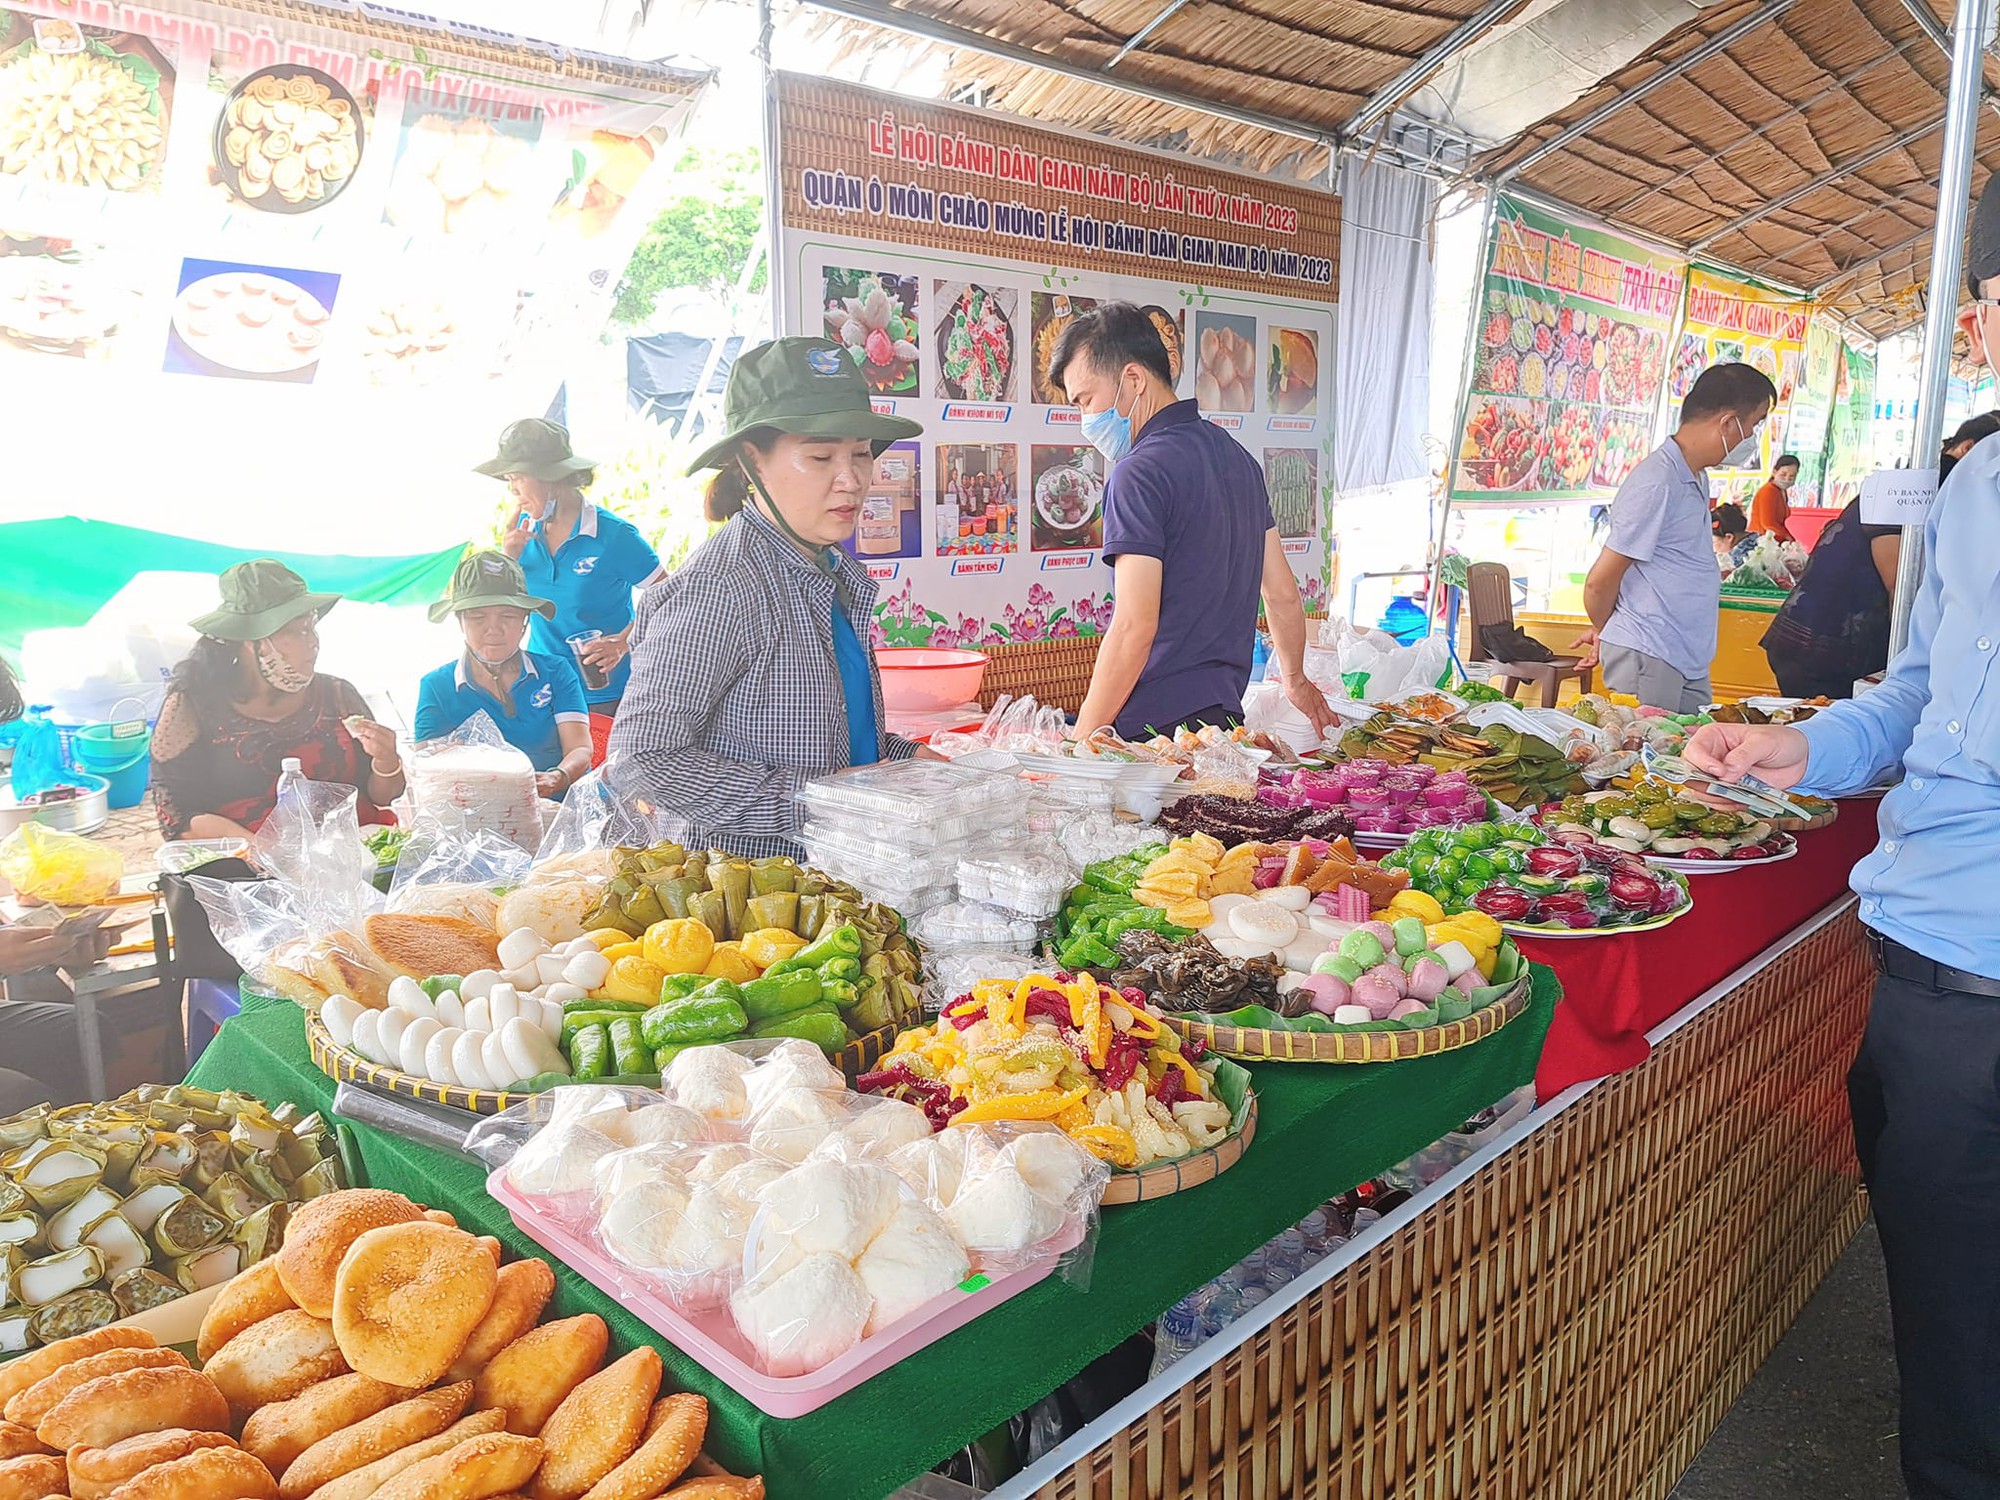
1654, 594
1925, 1088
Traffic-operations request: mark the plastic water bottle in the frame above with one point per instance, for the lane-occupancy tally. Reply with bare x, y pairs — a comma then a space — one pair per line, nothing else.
1284, 1259
1250, 1270
38, 755
1253, 1296
1260, 657
1316, 1236
1225, 1304
1179, 1329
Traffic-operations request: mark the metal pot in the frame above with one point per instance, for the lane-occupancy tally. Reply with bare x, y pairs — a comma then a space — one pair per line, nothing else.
88, 811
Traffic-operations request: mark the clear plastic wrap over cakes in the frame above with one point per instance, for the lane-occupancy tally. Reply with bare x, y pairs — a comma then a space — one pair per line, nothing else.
755, 1187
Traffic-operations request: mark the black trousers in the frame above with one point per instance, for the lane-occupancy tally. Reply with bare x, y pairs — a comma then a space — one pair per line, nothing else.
1799, 678
1925, 1092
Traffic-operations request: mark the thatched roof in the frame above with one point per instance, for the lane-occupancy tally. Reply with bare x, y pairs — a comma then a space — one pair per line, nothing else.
1805, 151
1311, 63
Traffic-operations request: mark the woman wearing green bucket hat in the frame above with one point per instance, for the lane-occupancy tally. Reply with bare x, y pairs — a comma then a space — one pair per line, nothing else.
534, 699
584, 560
247, 698
750, 669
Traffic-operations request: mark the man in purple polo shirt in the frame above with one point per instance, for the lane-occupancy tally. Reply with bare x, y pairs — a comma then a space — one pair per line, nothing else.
1190, 539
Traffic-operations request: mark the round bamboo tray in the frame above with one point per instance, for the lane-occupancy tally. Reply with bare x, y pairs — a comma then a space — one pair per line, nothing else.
1163, 1179
1805, 825
344, 1065
1264, 1045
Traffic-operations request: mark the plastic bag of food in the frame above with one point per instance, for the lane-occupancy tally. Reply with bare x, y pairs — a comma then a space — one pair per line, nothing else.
473, 779
553, 1144
839, 1251
63, 869
456, 872
675, 1217
1010, 1192
594, 817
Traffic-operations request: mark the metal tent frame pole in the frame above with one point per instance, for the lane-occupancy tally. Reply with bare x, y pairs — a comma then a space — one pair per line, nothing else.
1961, 127
774, 177
1489, 228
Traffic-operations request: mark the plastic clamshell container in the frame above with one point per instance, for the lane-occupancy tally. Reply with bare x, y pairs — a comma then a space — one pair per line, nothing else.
879, 852
917, 804
712, 1340
1030, 885
973, 924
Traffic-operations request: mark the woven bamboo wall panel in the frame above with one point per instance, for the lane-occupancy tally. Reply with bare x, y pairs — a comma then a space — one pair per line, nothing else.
825, 128
1572, 1323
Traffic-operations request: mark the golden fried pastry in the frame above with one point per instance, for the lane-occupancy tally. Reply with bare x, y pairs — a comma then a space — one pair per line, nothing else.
598, 1425
100, 1412
366, 1480
320, 1232
96, 1472
407, 1297
29, 1407
674, 1430
206, 1474
492, 1247
18, 1374
476, 1469
374, 1437
18, 1441
280, 1432
440, 1216
420, 945
522, 1291
247, 1298
276, 1360
718, 1487
531, 1377
32, 1477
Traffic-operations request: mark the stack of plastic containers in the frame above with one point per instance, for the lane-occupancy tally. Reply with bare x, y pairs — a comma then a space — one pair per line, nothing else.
898, 830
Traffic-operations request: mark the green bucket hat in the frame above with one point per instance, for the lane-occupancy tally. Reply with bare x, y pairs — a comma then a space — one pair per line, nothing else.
484, 579
539, 448
807, 387
259, 598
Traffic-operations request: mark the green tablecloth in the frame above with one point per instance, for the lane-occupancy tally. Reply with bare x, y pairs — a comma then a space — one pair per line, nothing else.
1320, 1131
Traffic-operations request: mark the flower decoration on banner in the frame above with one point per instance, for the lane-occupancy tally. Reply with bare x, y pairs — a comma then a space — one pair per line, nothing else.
1312, 592
902, 619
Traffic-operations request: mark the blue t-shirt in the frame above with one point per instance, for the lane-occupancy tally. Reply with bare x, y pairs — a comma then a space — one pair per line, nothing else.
549, 692
1669, 599
857, 689
590, 580
1192, 496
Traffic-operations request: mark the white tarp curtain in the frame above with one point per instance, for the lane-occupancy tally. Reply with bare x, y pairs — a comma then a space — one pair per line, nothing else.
1382, 342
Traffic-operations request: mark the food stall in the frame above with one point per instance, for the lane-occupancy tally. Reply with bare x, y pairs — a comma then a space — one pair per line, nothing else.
1749, 1008
1567, 1311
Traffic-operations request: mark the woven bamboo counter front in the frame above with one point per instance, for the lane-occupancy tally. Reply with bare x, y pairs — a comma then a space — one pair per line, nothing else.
1570, 1320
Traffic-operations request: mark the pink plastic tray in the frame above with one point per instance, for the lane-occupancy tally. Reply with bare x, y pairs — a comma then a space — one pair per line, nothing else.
712, 1340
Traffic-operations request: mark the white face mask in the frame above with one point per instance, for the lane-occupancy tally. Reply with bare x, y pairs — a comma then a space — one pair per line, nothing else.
1744, 454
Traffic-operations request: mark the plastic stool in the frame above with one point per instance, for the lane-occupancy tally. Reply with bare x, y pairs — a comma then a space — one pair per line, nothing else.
210, 1002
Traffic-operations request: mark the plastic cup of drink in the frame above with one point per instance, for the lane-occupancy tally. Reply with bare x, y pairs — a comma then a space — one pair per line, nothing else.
594, 677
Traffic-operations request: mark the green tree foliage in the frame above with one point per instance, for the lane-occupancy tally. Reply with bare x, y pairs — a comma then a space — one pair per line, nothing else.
702, 237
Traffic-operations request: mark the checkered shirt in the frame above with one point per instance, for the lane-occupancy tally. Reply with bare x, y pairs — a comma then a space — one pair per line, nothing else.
735, 700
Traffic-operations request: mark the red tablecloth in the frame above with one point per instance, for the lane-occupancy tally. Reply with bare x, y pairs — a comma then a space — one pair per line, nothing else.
1616, 989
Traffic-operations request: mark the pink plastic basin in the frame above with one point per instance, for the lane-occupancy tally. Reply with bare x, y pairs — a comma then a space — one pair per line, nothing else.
916, 678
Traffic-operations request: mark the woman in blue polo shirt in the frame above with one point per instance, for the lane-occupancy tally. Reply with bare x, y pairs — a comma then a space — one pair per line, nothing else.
536, 699
587, 562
